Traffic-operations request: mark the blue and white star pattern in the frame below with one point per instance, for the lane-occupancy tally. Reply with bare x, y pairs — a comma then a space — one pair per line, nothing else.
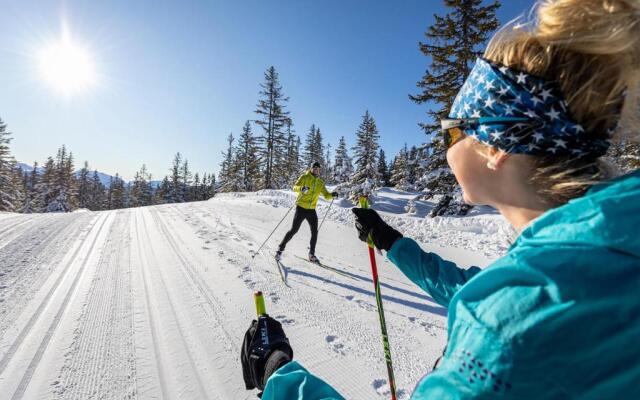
547, 128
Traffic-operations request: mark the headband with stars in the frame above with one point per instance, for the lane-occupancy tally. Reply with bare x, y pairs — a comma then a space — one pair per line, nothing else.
546, 128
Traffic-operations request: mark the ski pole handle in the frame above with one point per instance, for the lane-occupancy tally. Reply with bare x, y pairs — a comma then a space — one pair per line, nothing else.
258, 299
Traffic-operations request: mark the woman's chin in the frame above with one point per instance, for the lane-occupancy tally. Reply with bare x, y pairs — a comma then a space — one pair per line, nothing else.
470, 200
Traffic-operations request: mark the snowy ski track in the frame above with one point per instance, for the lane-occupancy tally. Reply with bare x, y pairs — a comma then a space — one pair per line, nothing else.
153, 302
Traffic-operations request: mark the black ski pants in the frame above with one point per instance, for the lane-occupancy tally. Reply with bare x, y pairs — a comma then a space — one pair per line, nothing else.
300, 215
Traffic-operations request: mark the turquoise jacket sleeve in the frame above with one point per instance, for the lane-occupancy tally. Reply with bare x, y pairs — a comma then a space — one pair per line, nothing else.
441, 279
294, 382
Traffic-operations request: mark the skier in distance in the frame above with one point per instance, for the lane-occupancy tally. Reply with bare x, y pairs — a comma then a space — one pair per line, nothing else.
308, 187
558, 316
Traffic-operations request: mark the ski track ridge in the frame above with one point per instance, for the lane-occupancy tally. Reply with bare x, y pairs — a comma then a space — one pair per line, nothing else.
22, 386
197, 282
27, 328
97, 343
152, 318
41, 249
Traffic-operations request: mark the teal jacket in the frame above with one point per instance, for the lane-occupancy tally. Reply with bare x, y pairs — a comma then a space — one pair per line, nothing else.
558, 317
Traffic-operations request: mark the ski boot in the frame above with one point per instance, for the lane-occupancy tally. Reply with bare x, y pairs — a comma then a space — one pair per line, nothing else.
314, 259
278, 256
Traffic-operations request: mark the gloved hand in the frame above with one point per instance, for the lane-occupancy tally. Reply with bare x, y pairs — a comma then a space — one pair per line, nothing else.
304, 189
335, 194
369, 222
265, 349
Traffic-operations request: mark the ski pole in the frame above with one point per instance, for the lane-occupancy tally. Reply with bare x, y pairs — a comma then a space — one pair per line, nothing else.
383, 325
325, 215
260, 307
274, 229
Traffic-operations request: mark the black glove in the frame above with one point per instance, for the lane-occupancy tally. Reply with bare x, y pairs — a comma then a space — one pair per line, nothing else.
369, 222
265, 349
335, 194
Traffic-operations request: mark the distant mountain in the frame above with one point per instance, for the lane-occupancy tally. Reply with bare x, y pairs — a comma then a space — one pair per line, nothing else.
104, 178
28, 168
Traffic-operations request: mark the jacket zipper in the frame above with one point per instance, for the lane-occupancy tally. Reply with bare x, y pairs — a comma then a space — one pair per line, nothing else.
312, 190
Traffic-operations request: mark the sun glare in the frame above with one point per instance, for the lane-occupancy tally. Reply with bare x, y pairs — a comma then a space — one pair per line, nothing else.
67, 66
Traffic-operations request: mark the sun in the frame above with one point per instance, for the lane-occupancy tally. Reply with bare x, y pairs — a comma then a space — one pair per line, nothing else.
67, 66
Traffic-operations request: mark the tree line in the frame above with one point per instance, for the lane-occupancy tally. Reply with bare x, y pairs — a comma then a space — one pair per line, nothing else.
57, 187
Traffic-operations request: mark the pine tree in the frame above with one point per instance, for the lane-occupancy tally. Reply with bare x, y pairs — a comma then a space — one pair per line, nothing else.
32, 203
185, 175
163, 193
140, 193
229, 168
400, 172
62, 194
624, 155
98, 196
366, 176
174, 193
383, 169
247, 160
84, 187
327, 171
273, 119
313, 148
117, 193
342, 167
453, 44
293, 155
8, 194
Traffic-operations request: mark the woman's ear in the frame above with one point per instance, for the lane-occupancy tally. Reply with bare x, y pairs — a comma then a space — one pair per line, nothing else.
496, 158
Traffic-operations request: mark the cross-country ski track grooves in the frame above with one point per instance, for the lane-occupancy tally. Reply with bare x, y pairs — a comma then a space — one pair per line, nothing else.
153, 303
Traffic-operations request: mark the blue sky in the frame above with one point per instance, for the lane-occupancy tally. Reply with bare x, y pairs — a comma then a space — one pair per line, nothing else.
180, 76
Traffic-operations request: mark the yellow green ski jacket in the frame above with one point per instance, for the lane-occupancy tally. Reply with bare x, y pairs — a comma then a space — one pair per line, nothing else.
316, 188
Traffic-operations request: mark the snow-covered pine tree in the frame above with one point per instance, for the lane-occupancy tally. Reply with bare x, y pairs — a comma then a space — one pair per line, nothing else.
212, 186
342, 167
383, 169
117, 193
313, 147
327, 171
229, 176
163, 192
98, 195
140, 192
246, 160
366, 176
453, 44
186, 176
174, 193
32, 204
272, 118
624, 155
16, 187
400, 172
62, 194
293, 155
84, 186
8, 196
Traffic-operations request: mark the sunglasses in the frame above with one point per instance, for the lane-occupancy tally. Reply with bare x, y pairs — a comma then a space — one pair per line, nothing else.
453, 129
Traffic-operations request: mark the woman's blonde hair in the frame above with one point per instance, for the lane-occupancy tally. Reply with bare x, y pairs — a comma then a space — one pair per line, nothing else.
591, 49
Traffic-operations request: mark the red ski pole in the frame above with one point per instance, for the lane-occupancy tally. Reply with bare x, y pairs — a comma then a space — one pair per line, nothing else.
364, 203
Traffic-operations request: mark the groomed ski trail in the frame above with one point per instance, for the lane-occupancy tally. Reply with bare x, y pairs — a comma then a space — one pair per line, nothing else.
153, 302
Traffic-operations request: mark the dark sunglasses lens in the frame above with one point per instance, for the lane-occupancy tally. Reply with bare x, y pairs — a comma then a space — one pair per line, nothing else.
446, 138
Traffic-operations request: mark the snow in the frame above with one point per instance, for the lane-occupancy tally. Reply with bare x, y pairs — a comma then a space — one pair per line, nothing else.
153, 302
